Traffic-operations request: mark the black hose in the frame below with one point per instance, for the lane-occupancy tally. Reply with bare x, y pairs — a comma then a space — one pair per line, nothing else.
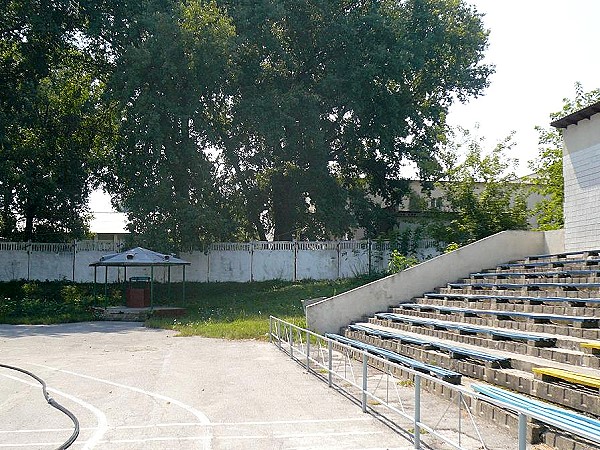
53, 403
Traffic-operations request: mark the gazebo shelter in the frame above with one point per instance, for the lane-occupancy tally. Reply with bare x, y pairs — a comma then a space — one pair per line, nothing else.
140, 257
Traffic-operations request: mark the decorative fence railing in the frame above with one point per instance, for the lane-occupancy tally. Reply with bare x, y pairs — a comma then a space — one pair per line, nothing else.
224, 261
425, 410
62, 247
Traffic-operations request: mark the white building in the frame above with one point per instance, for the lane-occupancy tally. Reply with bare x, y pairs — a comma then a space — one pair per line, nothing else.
581, 169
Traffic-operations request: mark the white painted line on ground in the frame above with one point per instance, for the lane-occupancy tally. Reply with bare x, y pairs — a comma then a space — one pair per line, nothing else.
198, 414
202, 418
41, 430
157, 439
239, 437
283, 422
192, 424
100, 416
345, 433
34, 445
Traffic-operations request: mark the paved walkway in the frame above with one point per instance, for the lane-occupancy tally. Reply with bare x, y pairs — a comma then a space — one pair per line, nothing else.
138, 388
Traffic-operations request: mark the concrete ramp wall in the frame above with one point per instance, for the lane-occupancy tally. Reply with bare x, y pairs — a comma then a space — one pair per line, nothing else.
329, 315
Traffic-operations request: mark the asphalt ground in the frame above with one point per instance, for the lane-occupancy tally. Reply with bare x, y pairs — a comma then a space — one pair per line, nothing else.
137, 388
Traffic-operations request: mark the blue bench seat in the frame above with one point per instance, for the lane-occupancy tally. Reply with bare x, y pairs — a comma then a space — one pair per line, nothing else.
564, 254
444, 374
468, 329
564, 286
560, 263
534, 300
454, 351
586, 426
561, 274
537, 317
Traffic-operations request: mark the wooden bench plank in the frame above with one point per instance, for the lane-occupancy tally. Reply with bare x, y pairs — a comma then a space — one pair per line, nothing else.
587, 426
499, 361
551, 374
591, 348
447, 375
536, 300
540, 317
559, 263
575, 286
469, 329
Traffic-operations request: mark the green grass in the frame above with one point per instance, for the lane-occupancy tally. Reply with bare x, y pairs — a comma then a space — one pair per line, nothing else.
242, 310
220, 310
49, 302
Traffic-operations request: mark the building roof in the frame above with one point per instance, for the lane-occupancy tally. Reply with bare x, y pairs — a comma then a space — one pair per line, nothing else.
139, 257
575, 117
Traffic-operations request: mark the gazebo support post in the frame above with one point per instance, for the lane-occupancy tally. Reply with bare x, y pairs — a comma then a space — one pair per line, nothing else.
151, 287
94, 288
105, 287
183, 286
169, 282
125, 283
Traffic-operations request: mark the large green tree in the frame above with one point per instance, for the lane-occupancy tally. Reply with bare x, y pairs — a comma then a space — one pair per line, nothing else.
51, 119
167, 85
331, 99
481, 194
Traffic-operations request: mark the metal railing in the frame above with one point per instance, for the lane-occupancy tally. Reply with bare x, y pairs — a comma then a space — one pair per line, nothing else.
404, 397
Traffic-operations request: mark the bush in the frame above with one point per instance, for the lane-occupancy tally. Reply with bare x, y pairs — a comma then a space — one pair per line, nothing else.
399, 262
51, 301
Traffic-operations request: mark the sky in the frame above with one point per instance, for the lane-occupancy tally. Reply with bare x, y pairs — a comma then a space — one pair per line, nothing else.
540, 49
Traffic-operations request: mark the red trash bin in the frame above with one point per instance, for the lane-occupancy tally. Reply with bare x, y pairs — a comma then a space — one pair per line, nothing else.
138, 292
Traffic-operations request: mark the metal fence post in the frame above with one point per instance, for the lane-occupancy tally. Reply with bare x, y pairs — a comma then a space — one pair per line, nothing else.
291, 342
330, 363
270, 329
364, 383
459, 418
307, 351
522, 431
417, 431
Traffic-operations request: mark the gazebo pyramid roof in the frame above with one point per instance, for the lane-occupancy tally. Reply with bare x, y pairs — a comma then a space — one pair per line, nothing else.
139, 256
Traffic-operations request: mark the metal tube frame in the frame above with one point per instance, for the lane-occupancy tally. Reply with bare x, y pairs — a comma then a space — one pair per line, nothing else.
280, 331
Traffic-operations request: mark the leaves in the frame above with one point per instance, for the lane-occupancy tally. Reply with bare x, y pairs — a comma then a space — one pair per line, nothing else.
326, 93
482, 194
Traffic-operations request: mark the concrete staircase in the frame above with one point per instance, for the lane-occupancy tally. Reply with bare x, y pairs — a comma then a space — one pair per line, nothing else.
521, 326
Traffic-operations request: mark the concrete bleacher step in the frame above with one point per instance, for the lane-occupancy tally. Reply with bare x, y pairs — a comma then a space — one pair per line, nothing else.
508, 322
571, 274
575, 264
580, 321
531, 326
582, 254
492, 366
496, 299
526, 285
588, 426
453, 351
575, 379
438, 371
519, 343
555, 305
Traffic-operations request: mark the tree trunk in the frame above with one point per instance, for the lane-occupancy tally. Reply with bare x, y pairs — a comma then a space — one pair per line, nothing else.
285, 214
28, 231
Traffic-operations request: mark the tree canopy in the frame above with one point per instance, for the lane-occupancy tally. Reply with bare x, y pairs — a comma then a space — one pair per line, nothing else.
482, 194
52, 123
330, 100
215, 119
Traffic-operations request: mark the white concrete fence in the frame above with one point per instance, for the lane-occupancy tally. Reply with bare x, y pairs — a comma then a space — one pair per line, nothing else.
241, 262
